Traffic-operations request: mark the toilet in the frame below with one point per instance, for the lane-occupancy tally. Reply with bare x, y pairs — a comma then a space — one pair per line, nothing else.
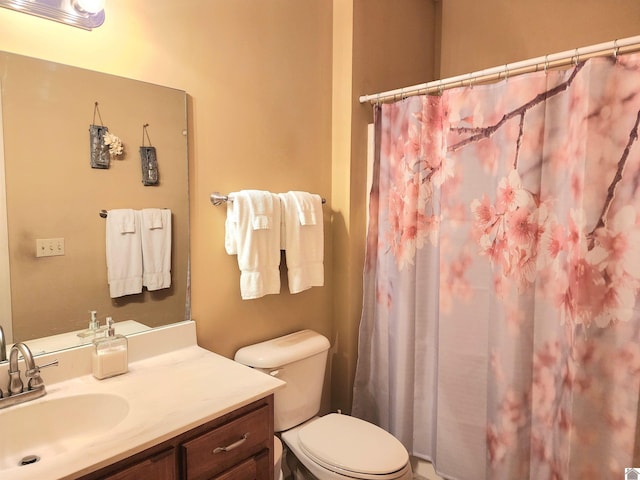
277, 459
329, 447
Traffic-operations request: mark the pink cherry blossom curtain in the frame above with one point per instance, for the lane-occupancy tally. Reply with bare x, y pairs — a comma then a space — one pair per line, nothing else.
500, 334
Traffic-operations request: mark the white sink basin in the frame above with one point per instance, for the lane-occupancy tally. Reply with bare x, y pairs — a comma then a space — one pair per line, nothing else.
45, 428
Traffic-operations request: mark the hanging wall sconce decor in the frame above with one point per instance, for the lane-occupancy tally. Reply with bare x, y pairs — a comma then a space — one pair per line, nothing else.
104, 144
148, 160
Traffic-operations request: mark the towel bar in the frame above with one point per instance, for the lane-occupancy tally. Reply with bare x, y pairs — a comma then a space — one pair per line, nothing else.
218, 199
104, 213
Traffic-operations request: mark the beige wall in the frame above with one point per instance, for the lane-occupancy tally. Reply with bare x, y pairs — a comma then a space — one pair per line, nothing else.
261, 77
483, 34
258, 74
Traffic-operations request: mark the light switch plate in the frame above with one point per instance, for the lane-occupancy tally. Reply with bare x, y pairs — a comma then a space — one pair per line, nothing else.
49, 247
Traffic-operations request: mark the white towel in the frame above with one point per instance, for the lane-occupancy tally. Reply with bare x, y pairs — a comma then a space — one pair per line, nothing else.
261, 207
152, 218
303, 242
305, 204
124, 252
156, 248
231, 229
258, 249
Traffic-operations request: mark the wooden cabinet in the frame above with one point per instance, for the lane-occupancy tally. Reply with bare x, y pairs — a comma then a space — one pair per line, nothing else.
236, 446
226, 446
254, 468
161, 466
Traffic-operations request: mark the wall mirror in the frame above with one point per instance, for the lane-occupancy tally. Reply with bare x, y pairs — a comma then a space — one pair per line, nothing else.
52, 192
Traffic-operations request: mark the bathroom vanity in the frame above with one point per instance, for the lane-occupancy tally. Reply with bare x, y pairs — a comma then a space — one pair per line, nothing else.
236, 446
181, 412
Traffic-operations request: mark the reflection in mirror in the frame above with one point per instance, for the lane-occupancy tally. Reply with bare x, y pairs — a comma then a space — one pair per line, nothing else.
53, 193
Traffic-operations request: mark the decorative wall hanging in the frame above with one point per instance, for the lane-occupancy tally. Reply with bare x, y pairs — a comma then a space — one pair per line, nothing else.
148, 160
104, 144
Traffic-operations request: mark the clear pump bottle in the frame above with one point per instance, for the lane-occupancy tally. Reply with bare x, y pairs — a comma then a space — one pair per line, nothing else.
95, 330
110, 354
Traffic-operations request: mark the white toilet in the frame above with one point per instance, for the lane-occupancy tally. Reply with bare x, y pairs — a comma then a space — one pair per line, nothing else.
331, 447
277, 459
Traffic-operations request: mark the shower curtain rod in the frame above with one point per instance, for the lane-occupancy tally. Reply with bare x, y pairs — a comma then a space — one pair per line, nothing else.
625, 45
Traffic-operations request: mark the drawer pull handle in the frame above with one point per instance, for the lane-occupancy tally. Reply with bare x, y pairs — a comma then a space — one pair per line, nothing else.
233, 445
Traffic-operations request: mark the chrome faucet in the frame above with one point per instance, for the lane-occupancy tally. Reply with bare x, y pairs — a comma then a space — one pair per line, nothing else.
3, 346
16, 392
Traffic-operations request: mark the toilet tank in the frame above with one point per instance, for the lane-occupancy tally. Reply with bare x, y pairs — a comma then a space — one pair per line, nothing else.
299, 359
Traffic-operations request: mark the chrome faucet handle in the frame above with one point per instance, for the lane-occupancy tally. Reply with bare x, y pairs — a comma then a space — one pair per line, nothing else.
15, 383
35, 380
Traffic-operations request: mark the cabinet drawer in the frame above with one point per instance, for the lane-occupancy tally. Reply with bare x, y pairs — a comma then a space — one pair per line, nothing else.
254, 468
158, 467
227, 445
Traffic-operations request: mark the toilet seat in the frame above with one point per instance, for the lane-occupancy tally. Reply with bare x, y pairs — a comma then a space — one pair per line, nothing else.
353, 447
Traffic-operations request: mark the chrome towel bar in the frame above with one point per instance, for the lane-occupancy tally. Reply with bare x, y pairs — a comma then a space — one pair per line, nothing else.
218, 199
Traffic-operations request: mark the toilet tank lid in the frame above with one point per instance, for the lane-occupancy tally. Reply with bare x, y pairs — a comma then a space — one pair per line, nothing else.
283, 350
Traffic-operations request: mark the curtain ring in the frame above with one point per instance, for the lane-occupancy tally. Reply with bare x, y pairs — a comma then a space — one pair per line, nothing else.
506, 71
615, 50
440, 87
576, 58
471, 80
546, 63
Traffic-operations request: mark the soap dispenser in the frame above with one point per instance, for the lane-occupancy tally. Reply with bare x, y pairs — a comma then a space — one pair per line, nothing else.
94, 329
110, 354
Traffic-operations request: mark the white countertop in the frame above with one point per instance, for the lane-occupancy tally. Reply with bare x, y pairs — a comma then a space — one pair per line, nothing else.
168, 394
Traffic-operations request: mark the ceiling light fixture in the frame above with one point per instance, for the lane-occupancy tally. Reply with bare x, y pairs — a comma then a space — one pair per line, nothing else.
86, 14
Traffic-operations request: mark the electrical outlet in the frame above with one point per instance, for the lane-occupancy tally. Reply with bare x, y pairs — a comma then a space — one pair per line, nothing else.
49, 247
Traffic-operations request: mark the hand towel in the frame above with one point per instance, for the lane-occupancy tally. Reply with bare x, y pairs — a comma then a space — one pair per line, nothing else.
127, 221
124, 253
261, 209
304, 203
304, 242
152, 218
156, 248
258, 249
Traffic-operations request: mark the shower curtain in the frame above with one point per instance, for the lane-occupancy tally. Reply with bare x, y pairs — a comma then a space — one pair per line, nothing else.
500, 333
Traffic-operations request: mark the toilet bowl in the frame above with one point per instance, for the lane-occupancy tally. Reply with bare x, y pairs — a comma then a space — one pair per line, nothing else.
277, 459
331, 447
340, 447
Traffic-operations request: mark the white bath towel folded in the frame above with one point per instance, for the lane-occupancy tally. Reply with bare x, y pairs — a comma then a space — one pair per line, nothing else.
156, 248
124, 252
303, 242
258, 249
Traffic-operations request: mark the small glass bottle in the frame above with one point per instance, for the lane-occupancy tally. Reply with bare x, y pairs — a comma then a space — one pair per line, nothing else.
110, 355
94, 327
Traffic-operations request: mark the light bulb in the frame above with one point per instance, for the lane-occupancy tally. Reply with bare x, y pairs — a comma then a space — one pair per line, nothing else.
89, 6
